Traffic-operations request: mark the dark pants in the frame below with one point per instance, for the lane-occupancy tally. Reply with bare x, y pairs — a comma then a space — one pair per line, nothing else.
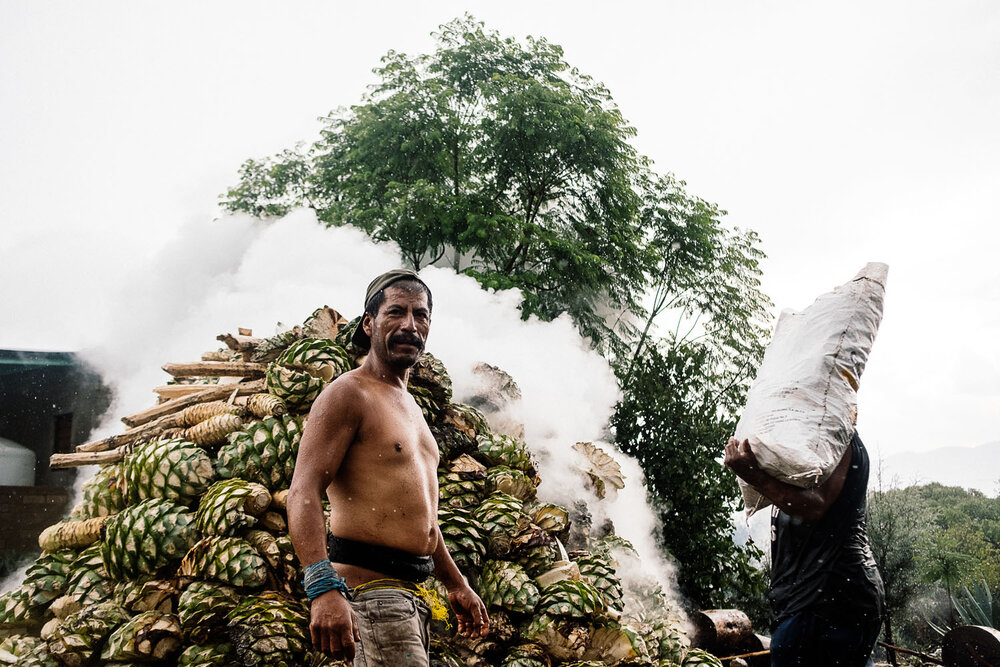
808, 640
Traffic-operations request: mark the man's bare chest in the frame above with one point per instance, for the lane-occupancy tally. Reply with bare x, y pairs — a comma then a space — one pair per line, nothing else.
396, 436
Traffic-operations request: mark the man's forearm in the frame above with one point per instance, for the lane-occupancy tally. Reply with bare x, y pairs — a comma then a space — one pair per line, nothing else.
306, 525
444, 565
810, 504
793, 500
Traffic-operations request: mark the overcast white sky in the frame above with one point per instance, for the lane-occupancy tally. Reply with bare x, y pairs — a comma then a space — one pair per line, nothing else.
841, 132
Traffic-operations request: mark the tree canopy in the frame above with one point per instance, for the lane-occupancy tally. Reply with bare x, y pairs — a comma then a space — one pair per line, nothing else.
502, 160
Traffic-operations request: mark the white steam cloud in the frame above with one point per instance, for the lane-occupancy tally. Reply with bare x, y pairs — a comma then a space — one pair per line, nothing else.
238, 272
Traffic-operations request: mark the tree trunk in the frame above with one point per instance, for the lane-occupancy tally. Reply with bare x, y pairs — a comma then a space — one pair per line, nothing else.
890, 653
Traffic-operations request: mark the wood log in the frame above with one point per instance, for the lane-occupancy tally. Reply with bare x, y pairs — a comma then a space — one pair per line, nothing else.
189, 416
149, 431
128, 438
72, 534
755, 654
111, 442
971, 646
211, 393
245, 343
61, 461
169, 391
216, 369
217, 355
923, 656
724, 632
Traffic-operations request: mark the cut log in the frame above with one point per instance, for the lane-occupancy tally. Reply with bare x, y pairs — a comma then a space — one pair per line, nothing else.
105, 444
244, 369
724, 632
212, 393
243, 343
923, 656
169, 391
146, 432
60, 461
971, 646
217, 355
72, 534
189, 416
271, 347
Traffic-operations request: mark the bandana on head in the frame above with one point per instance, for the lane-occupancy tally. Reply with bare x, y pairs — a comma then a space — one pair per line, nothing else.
359, 337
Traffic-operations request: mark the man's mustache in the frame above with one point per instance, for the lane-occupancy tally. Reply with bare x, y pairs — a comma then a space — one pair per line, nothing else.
407, 339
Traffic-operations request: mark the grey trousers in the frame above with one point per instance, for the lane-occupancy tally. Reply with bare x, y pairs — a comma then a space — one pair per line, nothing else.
393, 626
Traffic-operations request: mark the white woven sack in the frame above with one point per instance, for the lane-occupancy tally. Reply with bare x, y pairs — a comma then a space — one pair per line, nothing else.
802, 407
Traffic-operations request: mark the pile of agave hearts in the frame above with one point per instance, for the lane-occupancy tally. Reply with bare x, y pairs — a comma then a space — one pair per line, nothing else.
178, 552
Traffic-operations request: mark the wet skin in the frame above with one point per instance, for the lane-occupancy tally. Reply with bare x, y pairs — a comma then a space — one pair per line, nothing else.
367, 446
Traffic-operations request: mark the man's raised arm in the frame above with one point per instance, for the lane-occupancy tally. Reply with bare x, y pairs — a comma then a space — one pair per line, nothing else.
809, 503
331, 428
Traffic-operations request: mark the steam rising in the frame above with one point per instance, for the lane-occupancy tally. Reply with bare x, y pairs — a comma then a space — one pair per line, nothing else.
238, 272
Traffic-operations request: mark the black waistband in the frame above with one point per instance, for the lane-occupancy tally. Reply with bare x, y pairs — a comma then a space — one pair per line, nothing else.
384, 560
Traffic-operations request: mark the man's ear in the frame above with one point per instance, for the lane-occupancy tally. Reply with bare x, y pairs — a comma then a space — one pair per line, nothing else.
366, 324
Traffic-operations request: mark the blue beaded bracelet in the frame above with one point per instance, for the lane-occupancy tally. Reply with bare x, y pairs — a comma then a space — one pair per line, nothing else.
320, 578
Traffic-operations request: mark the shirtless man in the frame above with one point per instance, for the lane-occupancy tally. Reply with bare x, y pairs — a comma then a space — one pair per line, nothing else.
366, 445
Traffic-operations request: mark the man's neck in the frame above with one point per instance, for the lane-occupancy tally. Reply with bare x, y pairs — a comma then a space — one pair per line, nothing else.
383, 372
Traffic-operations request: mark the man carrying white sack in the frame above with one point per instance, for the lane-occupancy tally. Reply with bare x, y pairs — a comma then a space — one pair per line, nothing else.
826, 592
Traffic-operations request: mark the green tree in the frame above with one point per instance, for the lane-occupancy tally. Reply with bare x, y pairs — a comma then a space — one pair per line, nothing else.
897, 528
670, 420
504, 161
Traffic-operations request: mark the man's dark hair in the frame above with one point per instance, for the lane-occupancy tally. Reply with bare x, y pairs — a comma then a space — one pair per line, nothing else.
407, 285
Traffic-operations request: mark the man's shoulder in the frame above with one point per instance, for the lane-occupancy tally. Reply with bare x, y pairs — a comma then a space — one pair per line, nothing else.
347, 391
